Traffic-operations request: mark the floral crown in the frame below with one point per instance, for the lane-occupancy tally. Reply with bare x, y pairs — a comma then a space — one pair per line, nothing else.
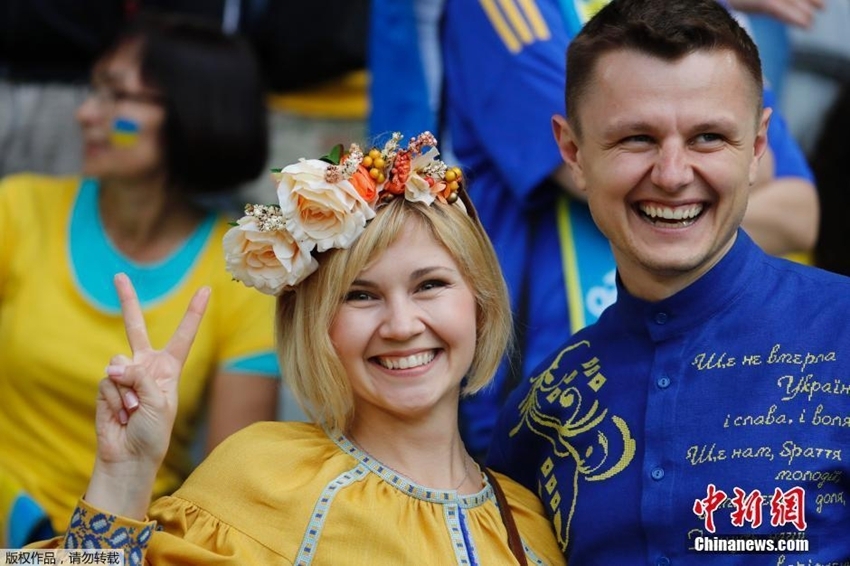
325, 204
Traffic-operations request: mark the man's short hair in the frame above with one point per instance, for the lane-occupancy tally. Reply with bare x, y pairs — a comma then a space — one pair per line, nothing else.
665, 29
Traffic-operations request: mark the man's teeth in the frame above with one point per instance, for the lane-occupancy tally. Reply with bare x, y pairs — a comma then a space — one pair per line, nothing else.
666, 213
407, 362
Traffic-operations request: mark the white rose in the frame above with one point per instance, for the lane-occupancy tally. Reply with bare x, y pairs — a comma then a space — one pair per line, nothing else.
417, 189
270, 261
320, 213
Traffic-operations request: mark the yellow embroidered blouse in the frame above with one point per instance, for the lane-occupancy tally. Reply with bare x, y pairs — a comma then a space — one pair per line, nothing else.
286, 493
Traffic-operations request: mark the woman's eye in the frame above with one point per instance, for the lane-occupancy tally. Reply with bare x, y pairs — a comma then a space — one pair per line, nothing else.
432, 284
357, 296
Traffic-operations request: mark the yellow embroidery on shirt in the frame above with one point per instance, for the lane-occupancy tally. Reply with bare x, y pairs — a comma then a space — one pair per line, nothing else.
561, 407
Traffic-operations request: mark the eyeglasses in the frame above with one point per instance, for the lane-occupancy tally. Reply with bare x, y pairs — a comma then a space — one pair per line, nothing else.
107, 97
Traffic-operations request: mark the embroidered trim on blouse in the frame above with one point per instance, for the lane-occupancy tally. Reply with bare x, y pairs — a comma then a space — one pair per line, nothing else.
90, 529
320, 512
405, 485
465, 552
533, 558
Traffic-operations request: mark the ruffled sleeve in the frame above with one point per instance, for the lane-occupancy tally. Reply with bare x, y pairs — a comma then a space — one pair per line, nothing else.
237, 507
176, 532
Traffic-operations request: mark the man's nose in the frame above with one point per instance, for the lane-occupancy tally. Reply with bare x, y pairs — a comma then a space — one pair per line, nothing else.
672, 169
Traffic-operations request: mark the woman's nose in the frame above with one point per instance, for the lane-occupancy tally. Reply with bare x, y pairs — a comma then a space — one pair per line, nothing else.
403, 318
88, 111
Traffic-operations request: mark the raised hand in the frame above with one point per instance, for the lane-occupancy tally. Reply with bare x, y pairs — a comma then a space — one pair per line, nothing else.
795, 12
136, 407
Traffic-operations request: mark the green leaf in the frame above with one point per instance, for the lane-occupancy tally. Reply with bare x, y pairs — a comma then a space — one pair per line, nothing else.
276, 169
333, 157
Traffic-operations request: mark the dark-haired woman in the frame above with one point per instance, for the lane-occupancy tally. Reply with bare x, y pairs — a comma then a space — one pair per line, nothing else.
175, 118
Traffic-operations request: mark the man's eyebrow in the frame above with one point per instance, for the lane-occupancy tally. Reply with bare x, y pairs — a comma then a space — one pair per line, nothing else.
621, 126
633, 126
716, 124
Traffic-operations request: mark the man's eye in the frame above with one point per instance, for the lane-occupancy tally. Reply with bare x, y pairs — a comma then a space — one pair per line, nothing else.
639, 138
708, 138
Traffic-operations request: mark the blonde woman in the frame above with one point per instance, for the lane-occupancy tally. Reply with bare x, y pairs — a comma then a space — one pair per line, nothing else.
390, 306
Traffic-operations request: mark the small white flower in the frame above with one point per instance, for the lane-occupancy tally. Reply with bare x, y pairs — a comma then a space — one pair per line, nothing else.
417, 189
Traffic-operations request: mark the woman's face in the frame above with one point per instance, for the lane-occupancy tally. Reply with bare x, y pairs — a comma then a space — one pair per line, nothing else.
122, 122
406, 331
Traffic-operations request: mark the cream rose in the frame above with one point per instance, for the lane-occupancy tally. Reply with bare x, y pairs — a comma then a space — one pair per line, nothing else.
417, 189
269, 260
320, 213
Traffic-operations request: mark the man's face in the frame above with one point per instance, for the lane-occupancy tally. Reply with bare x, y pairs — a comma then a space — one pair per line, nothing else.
667, 152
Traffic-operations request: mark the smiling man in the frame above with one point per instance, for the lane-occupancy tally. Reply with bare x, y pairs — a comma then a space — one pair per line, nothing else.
674, 430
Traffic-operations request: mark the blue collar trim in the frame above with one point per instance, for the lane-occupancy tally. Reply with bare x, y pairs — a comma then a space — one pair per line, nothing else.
95, 261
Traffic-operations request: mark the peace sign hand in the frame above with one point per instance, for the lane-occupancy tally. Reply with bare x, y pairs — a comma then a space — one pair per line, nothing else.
136, 407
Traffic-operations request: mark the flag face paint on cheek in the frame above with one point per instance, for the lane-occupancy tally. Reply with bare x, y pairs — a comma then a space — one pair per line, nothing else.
125, 132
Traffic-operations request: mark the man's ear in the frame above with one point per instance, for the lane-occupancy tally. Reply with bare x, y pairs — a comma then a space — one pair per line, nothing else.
760, 145
568, 145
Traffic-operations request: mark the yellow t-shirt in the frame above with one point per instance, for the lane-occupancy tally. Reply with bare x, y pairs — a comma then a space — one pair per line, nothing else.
286, 493
60, 324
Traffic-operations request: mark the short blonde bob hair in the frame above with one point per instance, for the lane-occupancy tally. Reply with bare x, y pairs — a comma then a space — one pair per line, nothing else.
308, 359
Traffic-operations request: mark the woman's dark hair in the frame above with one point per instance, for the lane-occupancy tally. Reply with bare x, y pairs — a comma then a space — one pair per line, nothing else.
215, 134
830, 165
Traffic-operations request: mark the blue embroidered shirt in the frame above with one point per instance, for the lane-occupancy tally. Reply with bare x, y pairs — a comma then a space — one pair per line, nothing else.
738, 385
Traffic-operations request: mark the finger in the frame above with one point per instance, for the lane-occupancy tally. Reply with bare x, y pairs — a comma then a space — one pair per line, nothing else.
795, 13
112, 395
120, 360
134, 320
128, 396
149, 392
181, 342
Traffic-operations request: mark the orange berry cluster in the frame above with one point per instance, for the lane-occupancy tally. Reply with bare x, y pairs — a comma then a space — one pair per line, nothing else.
453, 178
375, 164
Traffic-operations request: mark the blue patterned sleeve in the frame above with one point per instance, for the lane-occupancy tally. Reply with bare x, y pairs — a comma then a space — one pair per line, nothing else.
91, 528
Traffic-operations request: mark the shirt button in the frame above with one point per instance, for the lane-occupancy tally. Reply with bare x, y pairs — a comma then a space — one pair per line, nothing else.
663, 382
661, 318
657, 473
662, 561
